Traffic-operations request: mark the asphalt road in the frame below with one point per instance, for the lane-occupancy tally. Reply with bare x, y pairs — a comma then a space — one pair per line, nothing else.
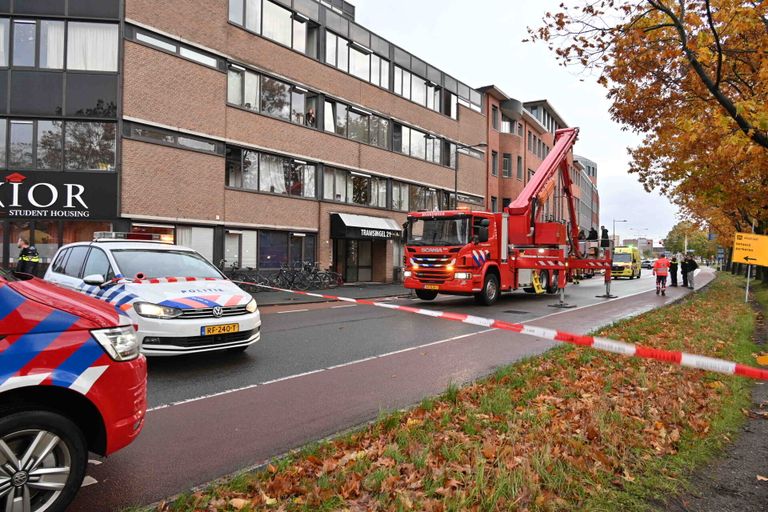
320, 369
303, 338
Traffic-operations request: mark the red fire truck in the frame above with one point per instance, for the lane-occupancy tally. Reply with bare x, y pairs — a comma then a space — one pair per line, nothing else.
462, 252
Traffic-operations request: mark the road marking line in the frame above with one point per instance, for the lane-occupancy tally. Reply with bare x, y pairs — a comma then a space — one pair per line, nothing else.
345, 306
321, 370
292, 311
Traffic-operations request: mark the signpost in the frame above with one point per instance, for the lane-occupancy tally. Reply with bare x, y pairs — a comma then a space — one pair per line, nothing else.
751, 249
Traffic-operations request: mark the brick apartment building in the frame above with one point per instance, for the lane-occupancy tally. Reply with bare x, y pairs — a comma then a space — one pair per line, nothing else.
255, 131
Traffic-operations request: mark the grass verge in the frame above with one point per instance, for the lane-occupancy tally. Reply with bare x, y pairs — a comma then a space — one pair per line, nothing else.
573, 429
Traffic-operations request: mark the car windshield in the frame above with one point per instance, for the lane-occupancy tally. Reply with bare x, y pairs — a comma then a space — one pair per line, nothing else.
622, 257
438, 231
153, 263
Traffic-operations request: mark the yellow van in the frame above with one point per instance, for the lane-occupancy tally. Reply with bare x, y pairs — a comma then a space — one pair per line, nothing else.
626, 262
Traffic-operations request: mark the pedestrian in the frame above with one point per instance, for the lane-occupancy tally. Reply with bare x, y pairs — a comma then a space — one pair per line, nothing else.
692, 266
582, 236
604, 239
684, 270
29, 258
592, 234
661, 270
673, 271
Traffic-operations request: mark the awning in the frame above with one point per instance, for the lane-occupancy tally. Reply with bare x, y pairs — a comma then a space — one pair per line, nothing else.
363, 227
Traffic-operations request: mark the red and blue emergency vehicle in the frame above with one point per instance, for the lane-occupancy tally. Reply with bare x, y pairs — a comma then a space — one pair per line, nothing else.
72, 381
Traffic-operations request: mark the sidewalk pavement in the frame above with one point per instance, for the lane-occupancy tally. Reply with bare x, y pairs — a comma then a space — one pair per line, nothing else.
354, 291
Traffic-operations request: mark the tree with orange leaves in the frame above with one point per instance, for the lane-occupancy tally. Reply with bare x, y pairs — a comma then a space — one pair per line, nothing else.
692, 77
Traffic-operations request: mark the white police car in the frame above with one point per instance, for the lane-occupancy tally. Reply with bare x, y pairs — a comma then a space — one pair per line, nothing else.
180, 302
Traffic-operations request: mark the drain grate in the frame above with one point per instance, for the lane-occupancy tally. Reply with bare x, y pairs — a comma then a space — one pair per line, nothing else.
516, 312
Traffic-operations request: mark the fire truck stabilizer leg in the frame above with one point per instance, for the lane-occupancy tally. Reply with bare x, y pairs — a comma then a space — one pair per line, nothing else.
607, 294
561, 304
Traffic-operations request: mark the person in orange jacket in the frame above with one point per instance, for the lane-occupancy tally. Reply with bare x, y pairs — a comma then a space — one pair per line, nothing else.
661, 271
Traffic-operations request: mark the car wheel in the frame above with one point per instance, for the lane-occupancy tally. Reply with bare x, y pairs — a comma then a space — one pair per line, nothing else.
43, 457
490, 292
426, 294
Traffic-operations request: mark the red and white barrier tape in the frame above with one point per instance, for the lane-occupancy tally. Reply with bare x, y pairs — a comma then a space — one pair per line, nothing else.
606, 345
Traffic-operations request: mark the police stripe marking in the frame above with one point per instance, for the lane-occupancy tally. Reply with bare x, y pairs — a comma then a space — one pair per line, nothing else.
87, 379
68, 371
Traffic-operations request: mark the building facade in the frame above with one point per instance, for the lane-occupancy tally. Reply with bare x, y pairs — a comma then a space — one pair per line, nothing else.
258, 132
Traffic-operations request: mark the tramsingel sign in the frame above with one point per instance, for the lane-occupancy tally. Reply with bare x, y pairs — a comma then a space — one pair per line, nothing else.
58, 195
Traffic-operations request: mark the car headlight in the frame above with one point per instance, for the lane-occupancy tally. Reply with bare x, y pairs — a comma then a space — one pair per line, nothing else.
462, 275
148, 310
251, 307
407, 273
121, 343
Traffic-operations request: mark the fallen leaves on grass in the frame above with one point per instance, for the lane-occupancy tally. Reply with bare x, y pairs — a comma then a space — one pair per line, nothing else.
545, 434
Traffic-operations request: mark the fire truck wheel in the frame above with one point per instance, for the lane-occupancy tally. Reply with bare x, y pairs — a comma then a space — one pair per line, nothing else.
426, 294
544, 280
45, 458
490, 291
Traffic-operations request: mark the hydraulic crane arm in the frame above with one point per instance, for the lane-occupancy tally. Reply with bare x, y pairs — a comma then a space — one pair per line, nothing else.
557, 159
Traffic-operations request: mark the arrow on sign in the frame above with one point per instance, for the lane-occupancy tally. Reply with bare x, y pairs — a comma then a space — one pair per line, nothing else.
748, 259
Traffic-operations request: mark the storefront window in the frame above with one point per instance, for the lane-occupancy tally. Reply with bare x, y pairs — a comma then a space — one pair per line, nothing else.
46, 239
273, 249
275, 98
197, 238
90, 146
248, 252
82, 231
232, 245
50, 154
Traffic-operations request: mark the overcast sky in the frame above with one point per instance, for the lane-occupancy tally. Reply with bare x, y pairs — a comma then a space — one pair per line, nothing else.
479, 43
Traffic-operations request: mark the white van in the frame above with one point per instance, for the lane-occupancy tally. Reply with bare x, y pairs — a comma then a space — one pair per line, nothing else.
181, 303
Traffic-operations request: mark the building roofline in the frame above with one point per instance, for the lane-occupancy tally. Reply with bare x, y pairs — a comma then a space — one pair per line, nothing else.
494, 91
546, 103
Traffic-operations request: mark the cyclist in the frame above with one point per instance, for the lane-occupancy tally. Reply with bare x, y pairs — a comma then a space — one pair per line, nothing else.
661, 271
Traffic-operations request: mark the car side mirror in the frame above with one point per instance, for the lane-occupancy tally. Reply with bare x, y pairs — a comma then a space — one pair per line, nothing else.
94, 280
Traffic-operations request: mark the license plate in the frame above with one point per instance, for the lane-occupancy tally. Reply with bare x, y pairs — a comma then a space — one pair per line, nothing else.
431, 287
210, 330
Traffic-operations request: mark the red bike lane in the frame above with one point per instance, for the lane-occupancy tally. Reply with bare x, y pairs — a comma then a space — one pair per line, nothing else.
188, 444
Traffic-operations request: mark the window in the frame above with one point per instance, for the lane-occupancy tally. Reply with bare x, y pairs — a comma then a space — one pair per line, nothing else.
274, 176
495, 117
379, 71
423, 198
358, 127
434, 150
379, 132
520, 168
338, 120
24, 37
246, 13
520, 129
494, 164
50, 151
359, 63
5, 30
506, 166
273, 249
400, 196
92, 46
52, 44
449, 154
418, 144
198, 57
3, 134
21, 150
157, 42
275, 98
433, 97
507, 125
494, 204
75, 260
336, 51
277, 23
418, 90
97, 263
250, 170
506, 202
530, 141
236, 11
90, 146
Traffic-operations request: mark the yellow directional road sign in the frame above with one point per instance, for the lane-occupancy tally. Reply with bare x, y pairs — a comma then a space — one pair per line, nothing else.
751, 249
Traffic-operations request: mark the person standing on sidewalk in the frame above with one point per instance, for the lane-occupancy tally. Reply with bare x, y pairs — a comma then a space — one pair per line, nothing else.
692, 266
684, 270
28, 257
661, 271
673, 271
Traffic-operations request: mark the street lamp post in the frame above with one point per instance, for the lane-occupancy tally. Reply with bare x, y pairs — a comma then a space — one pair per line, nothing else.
614, 228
